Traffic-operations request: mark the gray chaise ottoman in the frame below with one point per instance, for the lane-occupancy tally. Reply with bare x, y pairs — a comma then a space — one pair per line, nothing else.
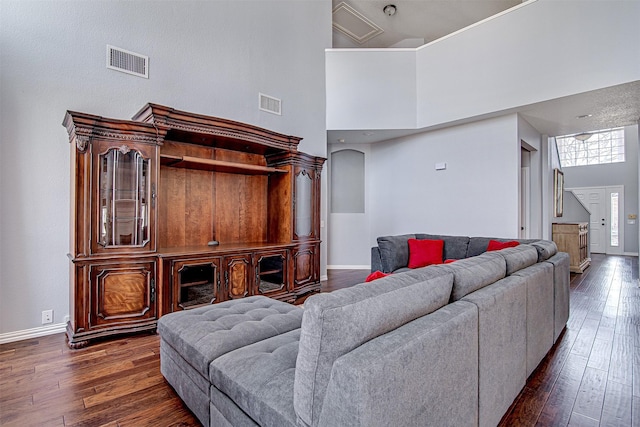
190, 340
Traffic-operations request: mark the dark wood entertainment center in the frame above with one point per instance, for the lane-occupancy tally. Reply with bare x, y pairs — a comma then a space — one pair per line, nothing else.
173, 210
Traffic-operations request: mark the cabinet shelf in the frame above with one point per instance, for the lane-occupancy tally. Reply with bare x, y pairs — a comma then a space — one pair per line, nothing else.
198, 283
189, 162
264, 273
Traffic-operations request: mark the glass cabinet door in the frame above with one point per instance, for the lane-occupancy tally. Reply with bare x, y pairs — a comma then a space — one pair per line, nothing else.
303, 204
124, 183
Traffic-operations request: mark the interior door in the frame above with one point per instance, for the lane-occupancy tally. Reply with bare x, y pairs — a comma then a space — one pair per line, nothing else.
525, 201
594, 200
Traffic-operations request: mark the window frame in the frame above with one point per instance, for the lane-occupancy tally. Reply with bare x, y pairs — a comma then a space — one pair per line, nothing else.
603, 147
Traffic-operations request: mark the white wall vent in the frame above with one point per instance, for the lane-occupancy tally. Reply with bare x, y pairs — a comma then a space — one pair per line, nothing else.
270, 104
128, 62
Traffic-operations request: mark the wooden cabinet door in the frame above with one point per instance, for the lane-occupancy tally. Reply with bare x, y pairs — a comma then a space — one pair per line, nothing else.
238, 275
122, 294
305, 265
195, 282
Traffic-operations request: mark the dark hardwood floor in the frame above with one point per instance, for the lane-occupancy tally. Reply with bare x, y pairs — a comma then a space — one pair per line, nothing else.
591, 376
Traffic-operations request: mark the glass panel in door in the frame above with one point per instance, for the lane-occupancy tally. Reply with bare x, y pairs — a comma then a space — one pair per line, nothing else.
614, 230
124, 196
303, 207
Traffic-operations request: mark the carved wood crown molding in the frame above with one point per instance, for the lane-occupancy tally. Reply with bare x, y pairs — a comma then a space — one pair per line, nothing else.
84, 135
290, 145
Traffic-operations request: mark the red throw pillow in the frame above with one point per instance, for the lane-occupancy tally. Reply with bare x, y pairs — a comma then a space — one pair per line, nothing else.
494, 245
376, 275
425, 252
449, 261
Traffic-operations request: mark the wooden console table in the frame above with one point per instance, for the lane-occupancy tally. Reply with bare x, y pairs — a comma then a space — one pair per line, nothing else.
573, 238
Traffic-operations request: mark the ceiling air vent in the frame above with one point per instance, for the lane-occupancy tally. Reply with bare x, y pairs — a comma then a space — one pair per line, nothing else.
353, 24
270, 104
127, 62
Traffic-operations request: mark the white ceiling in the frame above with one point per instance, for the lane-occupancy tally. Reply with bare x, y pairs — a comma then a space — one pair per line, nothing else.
432, 19
418, 19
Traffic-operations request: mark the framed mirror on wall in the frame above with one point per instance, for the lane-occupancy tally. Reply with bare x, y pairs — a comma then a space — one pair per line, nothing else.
558, 192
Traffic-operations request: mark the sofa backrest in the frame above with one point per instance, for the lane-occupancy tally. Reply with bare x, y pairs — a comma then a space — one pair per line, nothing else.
394, 251
519, 257
455, 247
546, 249
471, 274
335, 323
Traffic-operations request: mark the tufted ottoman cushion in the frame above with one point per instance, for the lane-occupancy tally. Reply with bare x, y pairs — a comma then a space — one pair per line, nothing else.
259, 380
203, 334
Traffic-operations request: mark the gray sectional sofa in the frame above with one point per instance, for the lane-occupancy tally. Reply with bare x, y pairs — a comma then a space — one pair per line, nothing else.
440, 345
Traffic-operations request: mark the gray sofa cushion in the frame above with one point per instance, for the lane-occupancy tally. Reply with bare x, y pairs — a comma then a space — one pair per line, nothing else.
394, 251
188, 383
376, 260
225, 413
477, 246
546, 249
502, 337
259, 379
539, 280
335, 323
455, 247
519, 257
425, 373
471, 274
561, 291
202, 334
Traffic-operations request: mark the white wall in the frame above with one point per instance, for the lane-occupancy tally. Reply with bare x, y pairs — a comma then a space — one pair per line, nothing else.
206, 57
371, 89
476, 195
491, 61
481, 70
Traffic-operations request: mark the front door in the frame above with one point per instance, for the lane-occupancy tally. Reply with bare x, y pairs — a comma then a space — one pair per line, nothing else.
594, 200
606, 207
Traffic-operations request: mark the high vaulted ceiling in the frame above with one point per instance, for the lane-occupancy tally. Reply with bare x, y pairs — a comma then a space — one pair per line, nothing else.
415, 21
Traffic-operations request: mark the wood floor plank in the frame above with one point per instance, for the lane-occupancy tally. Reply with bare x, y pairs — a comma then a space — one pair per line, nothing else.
616, 410
129, 385
112, 410
578, 420
621, 367
171, 413
591, 394
600, 356
557, 409
586, 337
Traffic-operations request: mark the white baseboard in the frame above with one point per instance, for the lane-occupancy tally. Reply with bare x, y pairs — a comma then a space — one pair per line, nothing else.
630, 254
348, 267
324, 278
33, 333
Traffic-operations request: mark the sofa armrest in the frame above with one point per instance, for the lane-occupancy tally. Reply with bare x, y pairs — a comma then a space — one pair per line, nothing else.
422, 373
376, 259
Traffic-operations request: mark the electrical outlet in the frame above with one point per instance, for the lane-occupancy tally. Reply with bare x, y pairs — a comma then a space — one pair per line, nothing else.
47, 316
